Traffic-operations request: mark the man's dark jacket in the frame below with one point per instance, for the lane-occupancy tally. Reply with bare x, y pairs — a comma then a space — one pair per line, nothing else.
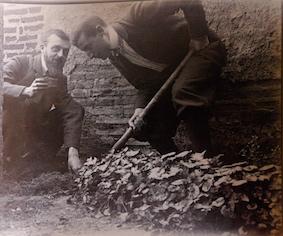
22, 113
159, 32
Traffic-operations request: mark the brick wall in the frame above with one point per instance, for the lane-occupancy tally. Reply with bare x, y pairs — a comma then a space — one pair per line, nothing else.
250, 85
22, 24
96, 84
1, 89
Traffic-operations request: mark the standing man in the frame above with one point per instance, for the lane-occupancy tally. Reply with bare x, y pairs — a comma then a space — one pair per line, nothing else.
39, 114
146, 46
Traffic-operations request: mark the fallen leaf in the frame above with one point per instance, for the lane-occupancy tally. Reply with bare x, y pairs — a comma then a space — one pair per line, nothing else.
267, 167
235, 164
124, 216
173, 188
263, 177
106, 212
242, 231
168, 155
193, 191
236, 183
178, 182
131, 153
183, 154
224, 179
197, 156
104, 166
251, 178
172, 172
88, 173
207, 185
90, 161
144, 207
156, 173
188, 165
204, 167
244, 198
252, 206
262, 226
202, 206
250, 168
145, 190
218, 202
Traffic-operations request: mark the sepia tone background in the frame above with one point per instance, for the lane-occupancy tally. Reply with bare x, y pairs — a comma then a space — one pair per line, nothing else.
247, 112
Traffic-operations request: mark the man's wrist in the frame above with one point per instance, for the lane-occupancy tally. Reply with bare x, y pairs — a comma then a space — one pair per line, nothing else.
25, 92
73, 150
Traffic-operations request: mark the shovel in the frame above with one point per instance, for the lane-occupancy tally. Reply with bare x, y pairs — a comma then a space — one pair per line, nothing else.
129, 132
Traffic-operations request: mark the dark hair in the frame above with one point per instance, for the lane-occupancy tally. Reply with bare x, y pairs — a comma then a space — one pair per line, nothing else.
60, 33
88, 28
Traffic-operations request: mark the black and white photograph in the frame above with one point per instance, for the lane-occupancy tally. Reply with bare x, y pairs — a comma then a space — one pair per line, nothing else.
145, 118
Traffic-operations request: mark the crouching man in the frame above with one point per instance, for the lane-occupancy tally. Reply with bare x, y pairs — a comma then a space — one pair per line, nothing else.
38, 113
146, 46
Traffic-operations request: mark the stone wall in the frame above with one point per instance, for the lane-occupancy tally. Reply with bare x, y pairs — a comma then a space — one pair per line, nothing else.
249, 98
249, 88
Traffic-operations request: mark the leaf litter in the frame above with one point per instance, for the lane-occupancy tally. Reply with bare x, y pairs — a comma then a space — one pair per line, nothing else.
180, 194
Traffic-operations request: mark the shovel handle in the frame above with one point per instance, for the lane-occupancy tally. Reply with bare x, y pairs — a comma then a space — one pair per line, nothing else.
122, 141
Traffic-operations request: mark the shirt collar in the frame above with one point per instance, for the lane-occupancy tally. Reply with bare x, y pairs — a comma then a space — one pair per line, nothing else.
43, 63
117, 41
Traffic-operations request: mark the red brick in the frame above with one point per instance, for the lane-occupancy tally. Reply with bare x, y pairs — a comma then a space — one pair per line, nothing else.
32, 19
22, 11
10, 39
27, 37
14, 20
9, 55
13, 46
21, 30
8, 30
34, 27
31, 45
35, 9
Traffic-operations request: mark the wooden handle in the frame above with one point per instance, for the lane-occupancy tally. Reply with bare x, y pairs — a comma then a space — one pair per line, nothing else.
122, 141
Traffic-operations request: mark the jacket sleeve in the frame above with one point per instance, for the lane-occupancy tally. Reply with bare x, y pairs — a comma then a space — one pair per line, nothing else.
143, 98
13, 71
154, 12
72, 114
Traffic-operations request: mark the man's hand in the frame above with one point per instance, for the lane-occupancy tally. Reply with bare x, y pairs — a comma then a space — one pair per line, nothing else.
136, 121
38, 85
74, 162
198, 44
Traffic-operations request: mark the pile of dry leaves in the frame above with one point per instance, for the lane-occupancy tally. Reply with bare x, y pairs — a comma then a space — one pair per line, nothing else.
181, 191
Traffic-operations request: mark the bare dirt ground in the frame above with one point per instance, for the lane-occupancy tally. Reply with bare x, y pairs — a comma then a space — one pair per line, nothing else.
39, 207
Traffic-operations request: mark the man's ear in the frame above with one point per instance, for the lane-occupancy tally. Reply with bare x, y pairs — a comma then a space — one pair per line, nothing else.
41, 47
99, 29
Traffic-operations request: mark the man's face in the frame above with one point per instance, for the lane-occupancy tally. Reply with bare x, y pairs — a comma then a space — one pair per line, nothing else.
95, 46
56, 51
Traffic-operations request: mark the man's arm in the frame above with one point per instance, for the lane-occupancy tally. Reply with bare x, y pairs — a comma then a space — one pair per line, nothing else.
147, 14
13, 71
154, 12
72, 115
